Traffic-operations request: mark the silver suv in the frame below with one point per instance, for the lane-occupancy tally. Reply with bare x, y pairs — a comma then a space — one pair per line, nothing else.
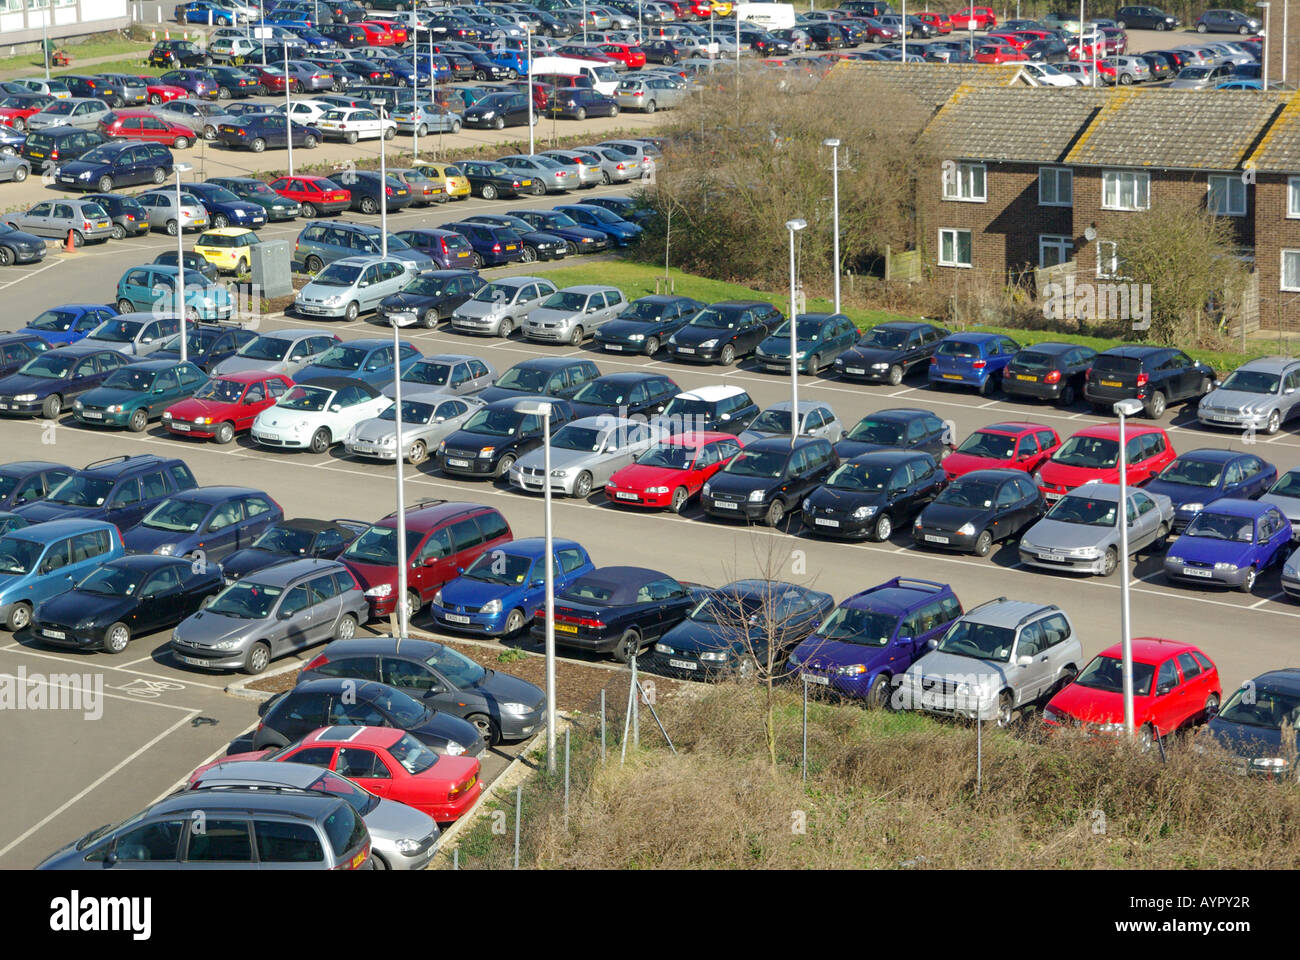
999, 657
573, 314
1259, 395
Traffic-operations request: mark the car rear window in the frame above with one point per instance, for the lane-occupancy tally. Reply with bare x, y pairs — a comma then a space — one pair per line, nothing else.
958, 348
344, 829
1116, 364
1031, 359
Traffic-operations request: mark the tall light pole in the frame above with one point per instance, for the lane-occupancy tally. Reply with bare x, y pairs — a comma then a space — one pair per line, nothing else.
415, 88
180, 258
584, 21
1125, 409
902, 32
383, 180
542, 408
398, 320
45, 35
834, 144
288, 110
532, 146
1267, 38
794, 226
1286, 15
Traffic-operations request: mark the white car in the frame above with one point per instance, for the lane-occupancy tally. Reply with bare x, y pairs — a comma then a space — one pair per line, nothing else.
316, 415
1046, 75
355, 123
307, 112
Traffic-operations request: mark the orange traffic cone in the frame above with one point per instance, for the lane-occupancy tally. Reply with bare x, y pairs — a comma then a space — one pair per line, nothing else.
69, 245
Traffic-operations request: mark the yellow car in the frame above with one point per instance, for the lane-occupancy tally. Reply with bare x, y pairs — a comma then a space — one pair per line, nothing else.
719, 8
227, 248
453, 180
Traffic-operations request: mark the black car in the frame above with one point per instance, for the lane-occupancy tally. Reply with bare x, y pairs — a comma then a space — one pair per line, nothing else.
343, 702
629, 209
1145, 18
873, 494
1161, 64
234, 82
19, 247
579, 103
344, 34
979, 509
129, 218
1250, 725
736, 628
1048, 371
54, 146
768, 479
489, 179
500, 706
542, 376
1156, 376
123, 599
618, 610
721, 332
432, 296
366, 188
291, 540
177, 53
647, 323
26, 481
257, 131
56, 377
195, 262
494, 437
577, 238
624, 394
824, 36
901, 428
500, 110
664, 51
538, 244
94, 87
207, 343
1047, 51
717, 409
888, 352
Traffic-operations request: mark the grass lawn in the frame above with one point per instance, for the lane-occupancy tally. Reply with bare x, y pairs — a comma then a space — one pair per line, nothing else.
31, 64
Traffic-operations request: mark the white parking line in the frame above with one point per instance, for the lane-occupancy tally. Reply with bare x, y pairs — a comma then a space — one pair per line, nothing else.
27, 276
15, 647
206, 760
1277, 596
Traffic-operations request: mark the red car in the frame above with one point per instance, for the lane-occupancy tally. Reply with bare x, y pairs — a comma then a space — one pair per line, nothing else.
14, 110
1093, 454
1175, 686
940, 23
385, 761
162, 92
143, 125
998, 53
271, 77
225, 405
379, 33
1090, 50
1116, 40
670, 474
632, 56
1004, 446
983, 17
1030, 36
317, 195
1013, 40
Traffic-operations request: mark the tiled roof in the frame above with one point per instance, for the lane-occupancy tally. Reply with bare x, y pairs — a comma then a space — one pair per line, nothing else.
1013, 124
1278, 151
932, 84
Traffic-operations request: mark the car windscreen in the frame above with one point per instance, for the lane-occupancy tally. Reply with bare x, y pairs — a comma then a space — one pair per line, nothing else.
867, 628
18, 556
1251, 381
132, 379
1221, 526
82, 491
338, 275
118, 331
1258, 706
525, 379
379, 545
982, 641
865, 477
1193, 472
180, 516
494, 423
764, 464
111, 581
342, 357
995, 446
978, 494
1107, 674
888, 433
266, 348
280, 539
245, 601
1079, 508
884, 338
308, 399
414, 412
1091, 452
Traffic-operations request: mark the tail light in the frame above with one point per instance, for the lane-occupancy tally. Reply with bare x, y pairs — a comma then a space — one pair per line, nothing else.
933, 361
496, 247
85, 224
317, 663
443, 241
461, 787
54, 154
980, 364
388, 190
1142, 379
1053, 377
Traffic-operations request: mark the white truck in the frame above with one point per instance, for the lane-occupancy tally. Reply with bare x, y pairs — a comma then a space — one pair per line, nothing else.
769, 16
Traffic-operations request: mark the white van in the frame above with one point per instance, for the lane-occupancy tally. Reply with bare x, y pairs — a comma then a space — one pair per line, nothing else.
602, 77
769, 16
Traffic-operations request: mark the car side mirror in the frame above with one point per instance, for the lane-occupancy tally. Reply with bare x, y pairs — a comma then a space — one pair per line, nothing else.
1024, 661
430, 561
335, 408
1164, 688
905, 638
932, 643
434, 689
110, 858
284, 615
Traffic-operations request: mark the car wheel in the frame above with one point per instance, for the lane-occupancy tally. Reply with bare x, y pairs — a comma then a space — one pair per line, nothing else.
575, 338
895, 375
1125, 79
155, 98
53, 404
1109, 562
171, 228
983, 544
505, 327
651, 346
224, 433
1006, 710
419, 453
258, 145
6, 256
679, 499
486, 728
347, 628
986, 387
390, 132
119, 232
139, 420
478, 261
530, 253
105, 184
1274, 422
650, 107
78, 240
1156, 405
455, 126
219, 221
309, 141
413, 605
117, 638
320, 441
1068, 396
1211, 706
20, 617
605, 178
884, 527
582, 486
628, 646
503, 468
581, 114
878, 695
1248, 581
489, 192
241, 267
368, 205
1244, 31
728, 355
125, 306
775, 514
258, 658
539, 189
498, 124
1201, 28
352, 312
209, 133
314, 265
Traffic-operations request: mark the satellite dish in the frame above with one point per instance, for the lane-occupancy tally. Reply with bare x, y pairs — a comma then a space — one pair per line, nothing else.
1090, 234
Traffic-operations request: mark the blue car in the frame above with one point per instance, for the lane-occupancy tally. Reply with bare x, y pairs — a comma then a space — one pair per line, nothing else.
17, 348
1199, 477
874, 636
27, 481
204, 11
119, 490
368, 360
224, 208
1229, 544
206, 522
1249, 725
310, 36
579, 238
972, 360
69, 323
497, 595
287, 17
51, 380
46, 559
647, 323
620, 231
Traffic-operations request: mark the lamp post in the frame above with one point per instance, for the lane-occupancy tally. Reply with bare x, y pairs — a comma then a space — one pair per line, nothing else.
398, 320
902, 33
794, 226
584, 28
288, 110
532, 146
542, 408
383, 181
180, 257
1125, 409
834, 144
1267, 38
45, 36
415, 88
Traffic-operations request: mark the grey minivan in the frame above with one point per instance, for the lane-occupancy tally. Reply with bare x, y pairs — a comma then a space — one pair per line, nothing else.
137, 334
574, 313
354, 285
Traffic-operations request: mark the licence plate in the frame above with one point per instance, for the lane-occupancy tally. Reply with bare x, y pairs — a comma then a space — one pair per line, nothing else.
855, 370
724, 505
182, 427
192, 661
931, 538
613, 346
624, 495
512, 246
814, 678
456, 462
684, 664
1051, 496
463, 253
1021, 376
566, 628
685, 349
823, 522
363, 447
1196, 572
92, 415
66, 179
952, 376
457, 618
1053, 556
55, 634
1111, 383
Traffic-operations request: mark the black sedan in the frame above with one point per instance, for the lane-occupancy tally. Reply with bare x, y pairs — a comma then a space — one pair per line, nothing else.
233, 82
618, 610
746, 628
257, 131
768, 479
724, 331
647, 323
900, 428
366, 188
664, 51
624, 395
489, 179
979, 509
290, 540
1155, 376
889, 351
538, 244
433, 295
1048, 371
195, 262
123, 599
873, 494
495, 437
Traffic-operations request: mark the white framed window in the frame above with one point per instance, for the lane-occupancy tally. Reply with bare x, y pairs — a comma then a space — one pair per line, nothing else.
1293, 196
1125, 190
1227, 196
1054, 250
1290, 270
1055, 186
954, 248
1108, 262
965, 181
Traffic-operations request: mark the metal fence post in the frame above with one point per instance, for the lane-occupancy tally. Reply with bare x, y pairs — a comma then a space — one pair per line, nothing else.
566, 778
979, 750
519, 803
602, 725
805, 728
636, 707
455, 859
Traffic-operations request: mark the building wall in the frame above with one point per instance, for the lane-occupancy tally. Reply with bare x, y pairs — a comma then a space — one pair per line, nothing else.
21, 23
1284, 21
1275, 232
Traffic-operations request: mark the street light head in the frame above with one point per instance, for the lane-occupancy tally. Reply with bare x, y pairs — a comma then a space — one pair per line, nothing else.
402, 318
1128, 408
182, 167
831, 142
793, 225
541, 408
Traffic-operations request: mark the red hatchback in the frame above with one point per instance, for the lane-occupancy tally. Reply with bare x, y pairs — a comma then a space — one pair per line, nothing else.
225, 405
317, 195
633, 57
1175, 686
938, 22
1006, 446
379, 34
983, 16
671, 473
1093, 454
998, 53
162, 92
271, 78
14, 110
143, 125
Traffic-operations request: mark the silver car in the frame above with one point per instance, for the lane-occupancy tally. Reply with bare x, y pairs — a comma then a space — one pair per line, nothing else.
202, 117
649, 94
82, 112
428, 417
501, 306
1285, 495
1259, 395
160, 207
1079, 533
136, 334
547, 173
587, 165
573, 314
584, 455
14, 167
354, 285
1203, 76
270, 613
816, 419
1001, 656
451, 374
647, 157
616, 167
279, 351
87, 221
1129, 69
403, 837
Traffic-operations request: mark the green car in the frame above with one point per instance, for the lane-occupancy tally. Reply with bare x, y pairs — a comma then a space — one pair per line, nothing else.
821, 338
139, 392
255, 191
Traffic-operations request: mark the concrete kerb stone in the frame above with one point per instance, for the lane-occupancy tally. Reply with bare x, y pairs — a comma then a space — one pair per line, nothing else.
239, 688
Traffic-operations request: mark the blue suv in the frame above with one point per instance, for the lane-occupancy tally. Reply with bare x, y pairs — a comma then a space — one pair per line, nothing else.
874, 636
47, 559
208, 522
972, 360
119, 490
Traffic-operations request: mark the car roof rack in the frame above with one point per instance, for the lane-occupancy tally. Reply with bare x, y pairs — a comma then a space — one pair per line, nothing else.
121, 458
986, 603
1045, 608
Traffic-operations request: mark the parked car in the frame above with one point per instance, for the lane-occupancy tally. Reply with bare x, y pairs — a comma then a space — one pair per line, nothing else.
315, 196
1283, 494
84, 221
499, 307
978, 510
225, 405
1250, 725
118, 490
646, 323
145, 126
1259, 395
1199, 477
722, 332
315, 416
572, 314
224, 208
972, 359
889, 351
205, 118
672, 472
428, 416
821, 338
1230, 543
1080, 534
48, 381
152, 289
1048, 371
1092, 454
583, 455
768, 479
61, 325
1145, 18
816, 419
258, 131
1014, 446
322, 242
52, 147
204, 523
133, 395
1227, 21
898, 427
289, 540
348, 287
28, 481
278, 351
162, 211
871, 495
84, 113
450, 374
277, 206
1155, 376
43, 560
495, 437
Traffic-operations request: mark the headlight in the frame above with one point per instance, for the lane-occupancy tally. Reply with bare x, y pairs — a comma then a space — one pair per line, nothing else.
966, 530
561, 474
516, 709
880, 366
389, 441
488, 114
383, 590
437, 599
637, 337
333, 301
85, 624
491, 607
663, 648
1270, 763
1038, 476
487, 451
232, 644
793, 660
1192, 507
852, 670
807, 505
166, 550
863, 512
408, 846
85, 175
715, 656
705, 490
454, 749
1109, 727
708, 343
1051, 716
673, 339
658, 490
25, 397
76, 405
756, 496
1225, 566
113, 408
